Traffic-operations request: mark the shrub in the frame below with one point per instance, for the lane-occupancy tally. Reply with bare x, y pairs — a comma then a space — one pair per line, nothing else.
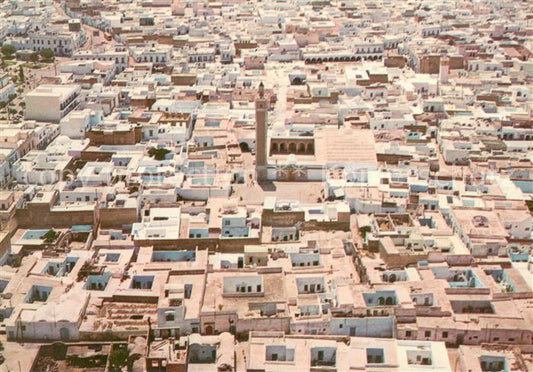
158, 154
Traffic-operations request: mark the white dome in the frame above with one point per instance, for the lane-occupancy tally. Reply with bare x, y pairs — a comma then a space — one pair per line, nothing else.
63, 140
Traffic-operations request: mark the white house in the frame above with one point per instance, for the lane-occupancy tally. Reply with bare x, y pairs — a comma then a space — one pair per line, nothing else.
50, 102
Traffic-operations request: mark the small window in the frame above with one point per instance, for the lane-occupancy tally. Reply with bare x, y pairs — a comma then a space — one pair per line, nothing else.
444, 334
427, 334
169, 317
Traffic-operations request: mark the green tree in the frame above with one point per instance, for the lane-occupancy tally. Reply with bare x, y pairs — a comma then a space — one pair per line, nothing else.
50, 236
3, 106
47, 54
158, 154
21, 74
118, 358
34, 57
8, 50
365, 230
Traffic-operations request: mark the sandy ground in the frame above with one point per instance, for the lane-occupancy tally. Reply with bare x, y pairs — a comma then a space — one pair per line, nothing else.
305, 192
19, 357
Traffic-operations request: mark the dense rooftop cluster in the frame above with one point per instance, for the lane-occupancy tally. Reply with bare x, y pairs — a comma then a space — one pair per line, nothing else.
266, 185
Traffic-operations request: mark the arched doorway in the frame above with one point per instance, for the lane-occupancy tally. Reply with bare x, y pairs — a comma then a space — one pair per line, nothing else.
64, 334
209, 330
292, 147
301, 147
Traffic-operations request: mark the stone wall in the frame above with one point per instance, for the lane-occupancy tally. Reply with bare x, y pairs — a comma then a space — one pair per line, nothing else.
395, 61
114, 218
282, 219
430, 64
226, 245
43, 218
101, 137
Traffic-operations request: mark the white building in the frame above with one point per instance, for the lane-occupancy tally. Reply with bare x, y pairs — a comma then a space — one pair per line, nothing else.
40, 168
51, 102
119, 55
75, 124
6, 88
157, 55
50, 321
157, 224
61, 43
274, 351
96, 173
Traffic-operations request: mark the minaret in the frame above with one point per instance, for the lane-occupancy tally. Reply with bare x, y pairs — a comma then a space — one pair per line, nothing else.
261, 126
444, 69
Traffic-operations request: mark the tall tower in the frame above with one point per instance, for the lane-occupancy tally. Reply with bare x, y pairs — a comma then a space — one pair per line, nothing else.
444, 69
261, 107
